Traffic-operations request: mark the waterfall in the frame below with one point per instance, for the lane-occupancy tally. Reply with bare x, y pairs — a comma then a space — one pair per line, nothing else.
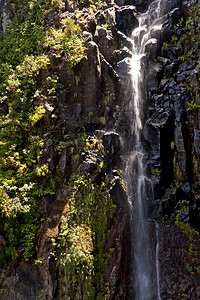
157, 262
139, 186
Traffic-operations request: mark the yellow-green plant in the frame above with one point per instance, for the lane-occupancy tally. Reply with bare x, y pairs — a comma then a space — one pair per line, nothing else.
192, 236
25, 82
83, 236
22, 60
193, 105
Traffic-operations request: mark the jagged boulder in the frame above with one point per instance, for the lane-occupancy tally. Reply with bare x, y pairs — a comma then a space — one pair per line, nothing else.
126, 18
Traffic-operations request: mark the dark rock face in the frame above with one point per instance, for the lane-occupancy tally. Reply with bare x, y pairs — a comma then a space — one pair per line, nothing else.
126, 19
91, 99
26, 282
141, 5
8, 9
171, 86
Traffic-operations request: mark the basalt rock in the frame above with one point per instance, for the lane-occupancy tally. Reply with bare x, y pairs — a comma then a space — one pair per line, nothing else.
140, 5
123, 40
126, 19
171, 112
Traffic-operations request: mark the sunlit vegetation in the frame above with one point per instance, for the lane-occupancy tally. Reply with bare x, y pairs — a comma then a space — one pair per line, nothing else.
82, 238
25, 83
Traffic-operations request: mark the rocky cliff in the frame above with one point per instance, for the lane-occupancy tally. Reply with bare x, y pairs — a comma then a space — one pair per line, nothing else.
65, 223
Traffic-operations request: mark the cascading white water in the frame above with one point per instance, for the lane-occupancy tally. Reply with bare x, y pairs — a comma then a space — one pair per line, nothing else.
138, 185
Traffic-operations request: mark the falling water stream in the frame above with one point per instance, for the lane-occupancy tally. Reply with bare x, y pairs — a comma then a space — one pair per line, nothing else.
157, 262
139, 186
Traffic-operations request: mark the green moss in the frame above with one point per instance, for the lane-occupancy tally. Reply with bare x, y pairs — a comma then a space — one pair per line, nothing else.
82, 239
62, 144
92, 5
155, 171
66, 39
192, 236
181, 21
196, 167
188, 23
178, 176
166, 45
41, 296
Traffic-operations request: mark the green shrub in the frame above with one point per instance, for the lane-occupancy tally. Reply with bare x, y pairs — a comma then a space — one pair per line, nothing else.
25, 82
21, 62
193, 105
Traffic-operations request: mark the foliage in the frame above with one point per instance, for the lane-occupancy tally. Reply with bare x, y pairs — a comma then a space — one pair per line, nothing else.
178, 176
19, 188
155, 171
188, 23
41, 296
196, 166
83, 235
106, 26
66, 38
25, 82
192, 236
166, 45
181, 21
193, 105
182, 57
62, 144
94, 5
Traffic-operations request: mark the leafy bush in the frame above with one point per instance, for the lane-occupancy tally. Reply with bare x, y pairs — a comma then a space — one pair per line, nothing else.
193, 105
25, 82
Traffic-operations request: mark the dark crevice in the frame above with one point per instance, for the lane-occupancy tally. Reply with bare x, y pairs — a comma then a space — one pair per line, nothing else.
188, 145
166, 154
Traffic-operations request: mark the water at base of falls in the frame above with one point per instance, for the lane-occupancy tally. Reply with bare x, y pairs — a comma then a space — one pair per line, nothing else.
139, 187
